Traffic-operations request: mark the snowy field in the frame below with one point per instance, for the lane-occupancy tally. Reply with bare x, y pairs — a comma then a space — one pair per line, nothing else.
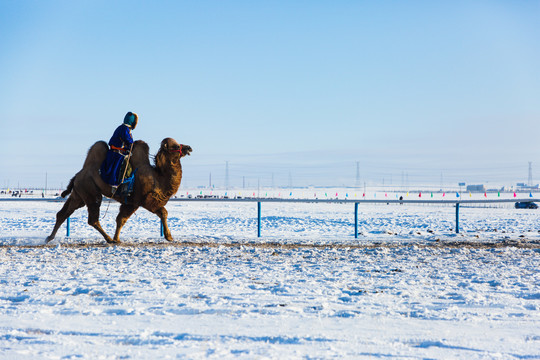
408, 288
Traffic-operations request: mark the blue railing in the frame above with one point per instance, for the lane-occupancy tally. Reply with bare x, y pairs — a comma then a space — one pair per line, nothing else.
356, 203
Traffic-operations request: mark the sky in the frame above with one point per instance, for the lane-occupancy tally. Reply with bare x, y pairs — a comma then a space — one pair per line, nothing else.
289, 93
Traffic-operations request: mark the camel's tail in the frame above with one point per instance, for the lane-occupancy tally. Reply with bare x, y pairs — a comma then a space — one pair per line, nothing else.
69, 188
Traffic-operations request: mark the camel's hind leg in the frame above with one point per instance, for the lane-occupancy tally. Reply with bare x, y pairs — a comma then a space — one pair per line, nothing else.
162, 213
125, 212
73, 203
93, 217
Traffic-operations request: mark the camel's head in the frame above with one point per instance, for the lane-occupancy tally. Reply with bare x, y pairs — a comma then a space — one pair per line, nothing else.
170, 146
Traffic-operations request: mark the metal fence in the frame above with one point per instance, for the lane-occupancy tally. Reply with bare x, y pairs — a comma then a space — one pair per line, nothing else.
355, 203
358, 203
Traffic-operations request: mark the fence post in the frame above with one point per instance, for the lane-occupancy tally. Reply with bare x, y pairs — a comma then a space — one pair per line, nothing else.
161, 227
356, 220
457, 218
67, 226
258, 219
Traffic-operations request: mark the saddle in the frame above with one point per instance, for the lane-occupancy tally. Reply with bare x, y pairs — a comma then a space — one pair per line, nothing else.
125, 189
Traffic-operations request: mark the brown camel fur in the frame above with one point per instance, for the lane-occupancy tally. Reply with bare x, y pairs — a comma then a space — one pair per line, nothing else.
152, 189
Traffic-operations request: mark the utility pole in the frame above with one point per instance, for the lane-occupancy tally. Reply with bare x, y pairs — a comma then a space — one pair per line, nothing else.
530, 182
407, 180
226, 175
357, 183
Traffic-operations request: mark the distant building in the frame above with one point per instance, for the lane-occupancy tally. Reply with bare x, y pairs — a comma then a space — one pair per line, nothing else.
476, 188
523, 186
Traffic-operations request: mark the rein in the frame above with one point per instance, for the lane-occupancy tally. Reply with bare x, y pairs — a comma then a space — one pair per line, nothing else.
179, 150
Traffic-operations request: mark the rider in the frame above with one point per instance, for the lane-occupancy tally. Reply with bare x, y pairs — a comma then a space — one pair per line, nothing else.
120, 146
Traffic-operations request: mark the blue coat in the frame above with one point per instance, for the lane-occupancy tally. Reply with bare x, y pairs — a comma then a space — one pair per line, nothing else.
122, 137
110, 169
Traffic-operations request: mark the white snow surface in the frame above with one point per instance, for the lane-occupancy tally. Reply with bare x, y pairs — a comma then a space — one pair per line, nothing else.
408, 288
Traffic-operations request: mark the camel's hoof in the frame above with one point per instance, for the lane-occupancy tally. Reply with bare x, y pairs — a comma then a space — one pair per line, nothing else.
48, 239
113, 241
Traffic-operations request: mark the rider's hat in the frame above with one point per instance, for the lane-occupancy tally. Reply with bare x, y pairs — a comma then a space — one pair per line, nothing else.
131, 119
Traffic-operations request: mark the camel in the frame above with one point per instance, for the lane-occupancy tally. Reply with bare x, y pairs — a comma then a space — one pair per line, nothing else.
152, 189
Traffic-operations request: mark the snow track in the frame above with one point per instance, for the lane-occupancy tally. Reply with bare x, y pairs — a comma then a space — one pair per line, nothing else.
223, 293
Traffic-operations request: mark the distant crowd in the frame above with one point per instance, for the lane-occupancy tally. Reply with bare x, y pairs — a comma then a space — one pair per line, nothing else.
17, 193
26, 192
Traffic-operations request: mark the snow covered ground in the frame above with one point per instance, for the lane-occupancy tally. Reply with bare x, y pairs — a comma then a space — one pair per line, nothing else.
409, 287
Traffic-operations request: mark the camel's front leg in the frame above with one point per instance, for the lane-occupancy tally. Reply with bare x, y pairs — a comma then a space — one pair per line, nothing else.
162, 213
125, 212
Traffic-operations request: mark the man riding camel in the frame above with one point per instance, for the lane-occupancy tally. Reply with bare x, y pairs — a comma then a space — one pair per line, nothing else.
120, 145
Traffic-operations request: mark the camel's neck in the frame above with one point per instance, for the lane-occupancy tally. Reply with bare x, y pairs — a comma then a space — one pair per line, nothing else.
169, 178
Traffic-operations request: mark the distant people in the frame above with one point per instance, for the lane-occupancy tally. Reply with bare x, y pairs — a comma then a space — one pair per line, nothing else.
120, 145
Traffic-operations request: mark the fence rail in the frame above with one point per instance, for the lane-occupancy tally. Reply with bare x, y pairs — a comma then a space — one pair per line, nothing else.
455, 202
357, 203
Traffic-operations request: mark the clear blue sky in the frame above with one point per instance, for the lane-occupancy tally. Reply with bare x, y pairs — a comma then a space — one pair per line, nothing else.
291, 89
